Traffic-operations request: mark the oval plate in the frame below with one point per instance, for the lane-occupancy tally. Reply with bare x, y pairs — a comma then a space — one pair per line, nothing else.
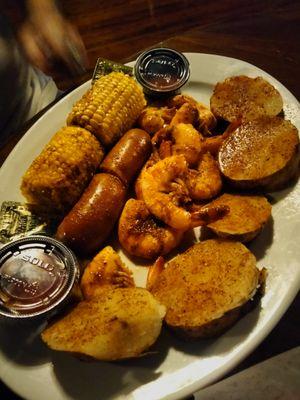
176, 369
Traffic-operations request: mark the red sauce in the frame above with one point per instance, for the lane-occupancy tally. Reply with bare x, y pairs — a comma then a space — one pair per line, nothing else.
161, 70
33, 277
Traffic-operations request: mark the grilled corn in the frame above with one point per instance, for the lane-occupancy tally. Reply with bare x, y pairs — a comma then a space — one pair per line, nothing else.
109, 108
57, 177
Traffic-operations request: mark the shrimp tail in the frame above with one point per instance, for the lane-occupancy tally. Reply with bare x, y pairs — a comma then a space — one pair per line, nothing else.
213, 143
154, 272
208, 214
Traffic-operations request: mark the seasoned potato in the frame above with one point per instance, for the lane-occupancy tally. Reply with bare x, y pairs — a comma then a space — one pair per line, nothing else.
263, 153
246, 217
241, 97
206, 288
121, 323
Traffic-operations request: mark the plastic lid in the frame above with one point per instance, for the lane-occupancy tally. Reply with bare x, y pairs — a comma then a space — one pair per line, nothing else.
162, 70
36, 274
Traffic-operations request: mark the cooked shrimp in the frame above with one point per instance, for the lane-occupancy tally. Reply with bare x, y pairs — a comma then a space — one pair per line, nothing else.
213, 143
187, 141
152, 118
142, 235
165, 194
180, 139
204, 215
204, 182
162, 190
186, 114
106, 269
206, 119
154, 158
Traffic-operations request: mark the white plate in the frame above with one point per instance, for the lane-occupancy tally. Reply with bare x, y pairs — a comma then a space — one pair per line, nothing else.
177, 369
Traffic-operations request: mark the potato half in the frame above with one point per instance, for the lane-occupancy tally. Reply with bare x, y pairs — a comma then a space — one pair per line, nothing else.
246, 217
120, 323
261, 154
206, 289
241, 97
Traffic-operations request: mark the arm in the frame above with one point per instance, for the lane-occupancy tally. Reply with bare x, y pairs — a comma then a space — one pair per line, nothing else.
46, 36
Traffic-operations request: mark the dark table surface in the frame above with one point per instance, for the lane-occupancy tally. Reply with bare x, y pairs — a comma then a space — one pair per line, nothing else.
264, 33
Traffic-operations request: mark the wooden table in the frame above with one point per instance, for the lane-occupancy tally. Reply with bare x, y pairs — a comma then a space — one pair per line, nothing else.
265, 34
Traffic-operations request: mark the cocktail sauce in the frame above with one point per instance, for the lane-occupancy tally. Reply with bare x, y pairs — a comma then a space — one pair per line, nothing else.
161, 71
36, 275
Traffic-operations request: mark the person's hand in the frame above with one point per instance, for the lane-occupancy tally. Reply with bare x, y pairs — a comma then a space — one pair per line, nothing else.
47, 37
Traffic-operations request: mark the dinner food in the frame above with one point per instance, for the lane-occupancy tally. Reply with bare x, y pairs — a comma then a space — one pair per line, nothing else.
153, 119
109, 108
128, 156
105, 269
207, 288
161, 197
246, 217
205, 118
142, 235
120, 323
164, 192
115, 321
58, 176
262, 153
204, 182
92, 219
181, 138
241, 97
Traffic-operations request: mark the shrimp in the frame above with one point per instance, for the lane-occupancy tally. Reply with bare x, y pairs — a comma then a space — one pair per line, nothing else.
180, 139
152, 118
204, 215
206, 119
105, 270
162, 190
154, 158
165, 194
186, 114
187, 141
204, 182
212, 144
142, 235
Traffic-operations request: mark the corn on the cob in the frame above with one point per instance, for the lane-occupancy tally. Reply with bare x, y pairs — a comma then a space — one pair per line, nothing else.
58, 176
109, 108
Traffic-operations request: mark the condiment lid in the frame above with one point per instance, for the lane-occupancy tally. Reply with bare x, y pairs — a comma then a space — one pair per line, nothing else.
36, 274
162, 70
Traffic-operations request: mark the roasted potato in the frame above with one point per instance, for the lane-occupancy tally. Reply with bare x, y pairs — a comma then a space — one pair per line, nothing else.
206, 289
120, 323
244, 98
261, 154
246, 217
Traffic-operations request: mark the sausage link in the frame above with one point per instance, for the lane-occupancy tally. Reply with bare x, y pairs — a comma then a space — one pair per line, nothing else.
92, 219
128, 156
